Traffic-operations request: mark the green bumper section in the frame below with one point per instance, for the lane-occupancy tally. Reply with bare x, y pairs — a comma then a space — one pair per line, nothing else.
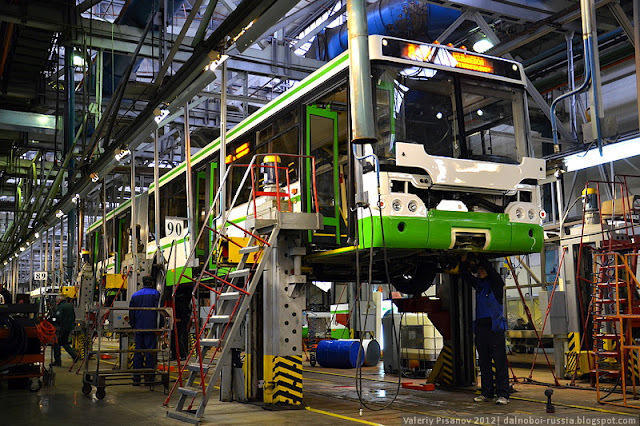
435, 231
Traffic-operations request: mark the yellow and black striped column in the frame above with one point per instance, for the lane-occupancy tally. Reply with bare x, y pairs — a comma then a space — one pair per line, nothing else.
283, 379
442, 371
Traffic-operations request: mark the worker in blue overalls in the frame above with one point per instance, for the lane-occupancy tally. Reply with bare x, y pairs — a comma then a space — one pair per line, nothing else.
489, 327
146, 297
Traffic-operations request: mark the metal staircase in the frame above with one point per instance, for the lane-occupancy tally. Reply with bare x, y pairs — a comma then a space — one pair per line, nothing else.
616, 318
233, 287
222, 324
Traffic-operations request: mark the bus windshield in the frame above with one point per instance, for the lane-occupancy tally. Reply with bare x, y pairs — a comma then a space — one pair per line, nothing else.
451, 114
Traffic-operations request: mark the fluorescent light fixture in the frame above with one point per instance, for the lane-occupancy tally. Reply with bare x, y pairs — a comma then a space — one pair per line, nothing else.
78, 61
36, 235
23, 248
121, 154
613, 152
482, 45
161, 114
213, 65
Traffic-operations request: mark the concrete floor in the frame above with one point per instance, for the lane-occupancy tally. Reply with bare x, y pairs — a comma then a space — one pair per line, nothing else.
330, 398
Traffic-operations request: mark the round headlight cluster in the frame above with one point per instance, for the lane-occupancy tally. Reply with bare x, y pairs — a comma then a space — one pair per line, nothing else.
396, 205
519, 213
531, 214
413, 206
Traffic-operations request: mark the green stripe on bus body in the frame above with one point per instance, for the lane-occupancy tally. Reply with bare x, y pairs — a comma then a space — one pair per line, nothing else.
434, 231
173, 276
242, 126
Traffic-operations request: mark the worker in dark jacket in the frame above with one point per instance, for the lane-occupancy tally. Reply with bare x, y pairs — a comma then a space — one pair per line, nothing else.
146, 297
5, 295
64, 320
489, 327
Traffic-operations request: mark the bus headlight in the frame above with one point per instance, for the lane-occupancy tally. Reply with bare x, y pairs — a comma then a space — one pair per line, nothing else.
413, 206
531, 214
519, 213
396, 205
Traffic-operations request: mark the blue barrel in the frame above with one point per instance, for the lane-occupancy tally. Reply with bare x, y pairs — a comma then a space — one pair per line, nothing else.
339, 353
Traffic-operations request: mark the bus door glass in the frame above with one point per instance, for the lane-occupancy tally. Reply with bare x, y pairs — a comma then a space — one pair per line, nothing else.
321, 142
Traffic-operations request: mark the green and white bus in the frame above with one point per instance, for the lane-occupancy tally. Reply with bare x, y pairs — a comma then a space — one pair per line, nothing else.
453, 171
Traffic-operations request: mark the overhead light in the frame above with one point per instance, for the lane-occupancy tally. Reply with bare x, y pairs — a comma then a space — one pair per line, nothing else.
36, 235
76, 199
480, 112
439, 115
613, 152
16, 255
213, 65
59, 214
482, 45
78, 60
94, 177
23, 248
122, 153
28, 243
161, 112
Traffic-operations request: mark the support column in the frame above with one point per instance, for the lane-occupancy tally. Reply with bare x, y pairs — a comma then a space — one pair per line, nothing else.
283, 302
187, 156
360, 96
69, 135
223, 140
156, 198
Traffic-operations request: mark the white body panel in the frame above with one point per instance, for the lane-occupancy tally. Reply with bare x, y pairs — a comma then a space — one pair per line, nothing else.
446, 172
175, 255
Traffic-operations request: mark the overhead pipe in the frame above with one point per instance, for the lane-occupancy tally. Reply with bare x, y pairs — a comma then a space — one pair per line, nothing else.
362, 122
585, 84
392, 18
586, 8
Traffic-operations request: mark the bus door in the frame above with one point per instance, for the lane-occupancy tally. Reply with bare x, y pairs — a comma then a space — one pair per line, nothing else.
321, 142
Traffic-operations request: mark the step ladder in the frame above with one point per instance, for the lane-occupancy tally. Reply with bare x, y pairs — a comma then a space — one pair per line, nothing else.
214, 339
606, 302
616, 318
233, 287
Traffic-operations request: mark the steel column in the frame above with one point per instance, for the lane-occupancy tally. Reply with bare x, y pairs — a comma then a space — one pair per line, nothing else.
189, 186
223, 141
362, 123
69, 136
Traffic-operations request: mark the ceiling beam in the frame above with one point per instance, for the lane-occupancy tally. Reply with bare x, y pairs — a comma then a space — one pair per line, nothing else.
25, 121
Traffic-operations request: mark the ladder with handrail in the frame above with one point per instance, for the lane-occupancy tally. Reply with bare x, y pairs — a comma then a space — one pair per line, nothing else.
232, 286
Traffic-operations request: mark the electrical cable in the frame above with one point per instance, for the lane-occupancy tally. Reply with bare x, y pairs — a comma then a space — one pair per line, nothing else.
46, 332
359, 377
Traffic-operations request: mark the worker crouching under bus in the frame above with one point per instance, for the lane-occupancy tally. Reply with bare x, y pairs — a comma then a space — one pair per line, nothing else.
489, 327
146, 297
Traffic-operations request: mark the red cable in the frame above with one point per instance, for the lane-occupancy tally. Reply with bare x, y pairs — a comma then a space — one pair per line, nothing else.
46, 332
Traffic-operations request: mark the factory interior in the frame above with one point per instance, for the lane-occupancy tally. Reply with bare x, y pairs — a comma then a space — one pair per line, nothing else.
320, 211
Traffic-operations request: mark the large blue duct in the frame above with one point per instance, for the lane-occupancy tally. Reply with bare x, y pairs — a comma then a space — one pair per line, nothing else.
136, 13
413, 19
